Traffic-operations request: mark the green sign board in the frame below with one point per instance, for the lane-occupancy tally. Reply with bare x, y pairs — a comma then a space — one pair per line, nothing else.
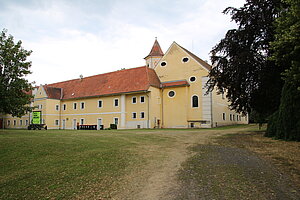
36, 117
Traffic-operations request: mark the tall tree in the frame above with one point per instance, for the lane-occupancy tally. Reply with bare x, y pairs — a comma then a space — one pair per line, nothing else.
14, 88
285, 124
242, 67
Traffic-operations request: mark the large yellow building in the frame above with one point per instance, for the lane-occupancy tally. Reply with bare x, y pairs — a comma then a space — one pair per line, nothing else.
169, 92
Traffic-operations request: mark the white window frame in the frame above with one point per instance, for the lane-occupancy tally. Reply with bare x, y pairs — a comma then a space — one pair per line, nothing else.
185, 57
8, 122
57, 107
75, 103
56, 120
100, 100
174, 93
21, 122
132, 115
82, 103
141, 99
224, 116
162, 62
82, 121
141, 115
192, 101
135, 100
114, 102
26, 122
15, 122
194, 80
116, 118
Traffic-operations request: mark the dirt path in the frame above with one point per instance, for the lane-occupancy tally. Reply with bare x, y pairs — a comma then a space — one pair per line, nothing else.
161, 178
160, 175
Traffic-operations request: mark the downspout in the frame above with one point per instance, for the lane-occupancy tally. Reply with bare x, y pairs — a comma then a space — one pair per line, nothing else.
148, 111
60, 108
211, 107
162, 108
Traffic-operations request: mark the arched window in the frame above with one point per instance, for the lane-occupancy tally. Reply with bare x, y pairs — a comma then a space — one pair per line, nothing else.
195, 101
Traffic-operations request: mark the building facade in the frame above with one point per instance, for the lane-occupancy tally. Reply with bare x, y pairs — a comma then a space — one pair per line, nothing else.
169, 92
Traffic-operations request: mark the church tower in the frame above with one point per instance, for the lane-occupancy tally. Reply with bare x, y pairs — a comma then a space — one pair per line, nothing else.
154, 56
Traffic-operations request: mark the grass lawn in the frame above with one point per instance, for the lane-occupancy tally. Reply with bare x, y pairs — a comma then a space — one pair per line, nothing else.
57, 164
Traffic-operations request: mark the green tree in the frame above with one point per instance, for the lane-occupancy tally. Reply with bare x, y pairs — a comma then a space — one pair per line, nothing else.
14, 88
241, 60
285, 124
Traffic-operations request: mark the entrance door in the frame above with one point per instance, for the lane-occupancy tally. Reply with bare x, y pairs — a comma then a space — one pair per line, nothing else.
74, 124
99, 124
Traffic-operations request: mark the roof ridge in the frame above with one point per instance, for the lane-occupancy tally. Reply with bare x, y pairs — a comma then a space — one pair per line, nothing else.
94, 75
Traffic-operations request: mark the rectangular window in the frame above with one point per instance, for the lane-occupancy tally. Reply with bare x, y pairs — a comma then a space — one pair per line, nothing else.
224, 116
100, 104
56, 122
15, 122
233, 117
26, 122
134, 115
81, 121
142, 115
56, 107
116, 102
82, 105
116, 120
8, 122
41, 107
74, 106
21, 123
64, 107
230, 117
142, 99
134, 100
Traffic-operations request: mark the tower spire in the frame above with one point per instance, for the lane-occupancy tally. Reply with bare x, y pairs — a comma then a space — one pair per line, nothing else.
155, 55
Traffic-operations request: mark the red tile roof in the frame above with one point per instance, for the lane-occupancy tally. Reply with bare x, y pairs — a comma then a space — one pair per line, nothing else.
122, 81
156, 50
175, 83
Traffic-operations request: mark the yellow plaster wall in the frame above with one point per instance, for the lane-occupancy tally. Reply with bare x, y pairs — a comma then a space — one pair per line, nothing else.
138, 107
175, 109
155, 99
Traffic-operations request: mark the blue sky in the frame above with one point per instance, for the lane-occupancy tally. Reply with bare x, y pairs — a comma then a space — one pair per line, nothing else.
88, 37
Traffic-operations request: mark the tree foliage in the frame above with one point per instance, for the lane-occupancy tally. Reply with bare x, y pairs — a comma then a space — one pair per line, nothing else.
285, 124
14, 88
242, 67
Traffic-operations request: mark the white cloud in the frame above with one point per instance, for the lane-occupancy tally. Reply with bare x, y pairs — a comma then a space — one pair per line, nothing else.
73, 38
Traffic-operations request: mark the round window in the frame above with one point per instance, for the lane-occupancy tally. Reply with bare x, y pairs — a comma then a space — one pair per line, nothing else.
163, 63
185, 59
171, 93
193, 79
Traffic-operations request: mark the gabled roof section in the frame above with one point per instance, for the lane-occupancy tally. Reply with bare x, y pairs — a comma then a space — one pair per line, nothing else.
199, 60
156, 50
122, 81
